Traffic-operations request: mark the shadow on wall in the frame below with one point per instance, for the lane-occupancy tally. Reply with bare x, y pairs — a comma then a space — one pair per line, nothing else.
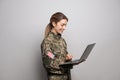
42, 75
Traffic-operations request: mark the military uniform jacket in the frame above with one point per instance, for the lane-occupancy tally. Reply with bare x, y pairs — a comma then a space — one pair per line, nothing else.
54, 51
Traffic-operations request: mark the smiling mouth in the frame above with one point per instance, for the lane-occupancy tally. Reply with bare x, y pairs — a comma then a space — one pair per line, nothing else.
61, 31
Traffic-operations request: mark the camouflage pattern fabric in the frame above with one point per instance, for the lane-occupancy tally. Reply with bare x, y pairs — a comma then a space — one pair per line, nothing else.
57, 77
54, 51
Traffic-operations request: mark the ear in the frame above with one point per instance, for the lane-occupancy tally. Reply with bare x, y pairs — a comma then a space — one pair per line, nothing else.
54, 24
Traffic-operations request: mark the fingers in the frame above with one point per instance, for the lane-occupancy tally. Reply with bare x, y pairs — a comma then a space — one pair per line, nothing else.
69, 57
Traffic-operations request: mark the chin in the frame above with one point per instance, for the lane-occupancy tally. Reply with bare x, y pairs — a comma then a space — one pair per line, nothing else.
60, 32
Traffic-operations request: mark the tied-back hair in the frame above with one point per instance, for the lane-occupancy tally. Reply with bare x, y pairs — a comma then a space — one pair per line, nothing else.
56, 17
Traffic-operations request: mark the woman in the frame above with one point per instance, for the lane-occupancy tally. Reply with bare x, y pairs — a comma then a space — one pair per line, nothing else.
54, 47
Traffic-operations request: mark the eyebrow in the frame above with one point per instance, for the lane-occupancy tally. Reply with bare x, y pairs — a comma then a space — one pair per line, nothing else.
63, 24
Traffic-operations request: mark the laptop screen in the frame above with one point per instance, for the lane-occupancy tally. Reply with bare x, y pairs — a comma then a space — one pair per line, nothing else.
87, 51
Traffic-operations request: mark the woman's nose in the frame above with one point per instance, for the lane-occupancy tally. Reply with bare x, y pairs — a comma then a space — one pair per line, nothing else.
64, 27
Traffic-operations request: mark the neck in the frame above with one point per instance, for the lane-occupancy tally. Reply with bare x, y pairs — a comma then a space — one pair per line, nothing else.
54, 31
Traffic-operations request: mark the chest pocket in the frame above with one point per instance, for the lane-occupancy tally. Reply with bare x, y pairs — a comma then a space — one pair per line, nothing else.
56, 48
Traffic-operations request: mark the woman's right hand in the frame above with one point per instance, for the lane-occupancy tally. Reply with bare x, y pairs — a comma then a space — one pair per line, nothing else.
68, 57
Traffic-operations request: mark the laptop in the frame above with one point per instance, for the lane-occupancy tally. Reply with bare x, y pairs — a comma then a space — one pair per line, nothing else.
83, 57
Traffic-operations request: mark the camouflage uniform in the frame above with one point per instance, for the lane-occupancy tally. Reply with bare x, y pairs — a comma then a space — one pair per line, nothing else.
54, 51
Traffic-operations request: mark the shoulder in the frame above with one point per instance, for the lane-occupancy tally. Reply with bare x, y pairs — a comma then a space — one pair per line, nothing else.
48, 39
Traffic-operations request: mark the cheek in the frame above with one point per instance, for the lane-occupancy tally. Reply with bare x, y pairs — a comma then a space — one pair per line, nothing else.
58, 27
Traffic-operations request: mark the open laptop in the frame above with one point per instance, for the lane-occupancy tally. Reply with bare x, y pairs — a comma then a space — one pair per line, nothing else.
83, 57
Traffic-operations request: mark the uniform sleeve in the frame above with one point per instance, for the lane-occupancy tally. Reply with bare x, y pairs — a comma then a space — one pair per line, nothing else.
48, 61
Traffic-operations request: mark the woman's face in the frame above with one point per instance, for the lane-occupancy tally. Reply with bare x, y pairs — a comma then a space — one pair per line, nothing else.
60, 26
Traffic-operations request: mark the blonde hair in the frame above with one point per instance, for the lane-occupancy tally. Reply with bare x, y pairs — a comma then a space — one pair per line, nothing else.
48, 29
56, 17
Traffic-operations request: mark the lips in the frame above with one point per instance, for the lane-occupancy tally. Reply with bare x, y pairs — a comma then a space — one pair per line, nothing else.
61, 31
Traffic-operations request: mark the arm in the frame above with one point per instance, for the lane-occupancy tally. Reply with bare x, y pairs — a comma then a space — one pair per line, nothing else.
49, 59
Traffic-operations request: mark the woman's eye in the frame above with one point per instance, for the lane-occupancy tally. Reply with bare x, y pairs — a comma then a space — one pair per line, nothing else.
63, 25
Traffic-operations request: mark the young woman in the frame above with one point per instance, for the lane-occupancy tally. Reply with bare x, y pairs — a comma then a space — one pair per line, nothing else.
54, 47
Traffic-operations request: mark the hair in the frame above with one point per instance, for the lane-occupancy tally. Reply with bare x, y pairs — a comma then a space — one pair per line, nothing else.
56, 17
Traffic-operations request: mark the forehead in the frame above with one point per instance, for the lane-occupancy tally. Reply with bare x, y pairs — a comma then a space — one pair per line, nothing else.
63, 21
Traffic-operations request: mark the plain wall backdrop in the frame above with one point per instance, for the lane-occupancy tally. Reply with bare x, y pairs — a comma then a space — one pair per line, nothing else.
22, 25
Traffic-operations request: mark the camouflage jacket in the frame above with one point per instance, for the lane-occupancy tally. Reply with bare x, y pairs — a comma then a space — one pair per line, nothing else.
54, 50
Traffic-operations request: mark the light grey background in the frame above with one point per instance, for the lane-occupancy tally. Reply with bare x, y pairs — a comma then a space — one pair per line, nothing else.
22, 25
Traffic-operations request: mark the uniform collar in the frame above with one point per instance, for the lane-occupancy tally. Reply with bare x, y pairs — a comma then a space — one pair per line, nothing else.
56, 36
